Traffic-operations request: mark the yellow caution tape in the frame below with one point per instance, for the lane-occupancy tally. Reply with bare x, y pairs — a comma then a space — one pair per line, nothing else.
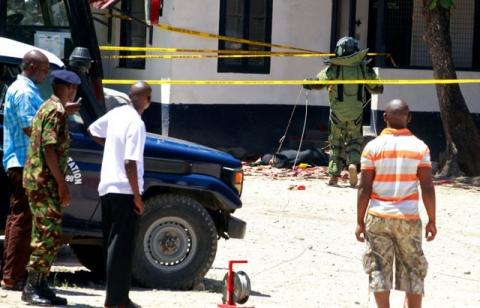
226, 38
307, 55
216, 51
298, 82
225, 51
218, 37
192, 32
252, 55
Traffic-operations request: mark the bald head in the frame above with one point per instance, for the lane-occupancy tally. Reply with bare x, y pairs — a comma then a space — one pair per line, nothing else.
140, 95
397, 114
35, 66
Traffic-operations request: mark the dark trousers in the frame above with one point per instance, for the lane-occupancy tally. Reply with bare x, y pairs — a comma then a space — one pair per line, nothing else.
18, 230
119, 229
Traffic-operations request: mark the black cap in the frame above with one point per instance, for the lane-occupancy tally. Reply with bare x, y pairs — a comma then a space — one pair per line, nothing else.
64, 76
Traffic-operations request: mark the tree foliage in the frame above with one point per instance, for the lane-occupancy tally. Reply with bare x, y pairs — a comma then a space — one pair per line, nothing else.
446, 4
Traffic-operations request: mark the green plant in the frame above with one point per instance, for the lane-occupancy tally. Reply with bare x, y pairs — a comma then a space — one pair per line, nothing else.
446, 4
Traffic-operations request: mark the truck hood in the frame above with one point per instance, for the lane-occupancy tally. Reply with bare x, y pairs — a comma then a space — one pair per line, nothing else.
168, 147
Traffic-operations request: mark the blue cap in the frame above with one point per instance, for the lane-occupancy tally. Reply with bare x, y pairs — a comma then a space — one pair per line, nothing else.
64, 76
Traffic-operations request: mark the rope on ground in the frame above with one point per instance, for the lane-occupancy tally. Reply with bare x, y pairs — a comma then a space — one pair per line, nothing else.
303, 130
282, 139
309, 247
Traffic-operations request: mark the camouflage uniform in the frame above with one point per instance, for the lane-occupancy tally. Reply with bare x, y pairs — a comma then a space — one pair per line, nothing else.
50, 127
398, 240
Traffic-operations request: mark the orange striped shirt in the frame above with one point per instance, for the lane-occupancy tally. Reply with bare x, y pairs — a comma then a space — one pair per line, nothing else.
395, 156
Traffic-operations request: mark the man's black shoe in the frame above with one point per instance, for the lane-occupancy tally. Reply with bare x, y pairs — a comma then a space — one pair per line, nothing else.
132, 304
33, 294
50, 294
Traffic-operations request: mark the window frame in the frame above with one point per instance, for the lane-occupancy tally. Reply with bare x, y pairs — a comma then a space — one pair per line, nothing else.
385, 63
476, 37
245, 67
126, 40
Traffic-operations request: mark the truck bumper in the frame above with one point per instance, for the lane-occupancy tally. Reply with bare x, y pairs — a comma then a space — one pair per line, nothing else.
236, 227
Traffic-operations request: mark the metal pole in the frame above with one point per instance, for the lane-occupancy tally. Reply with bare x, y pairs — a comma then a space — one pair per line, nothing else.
380, 33
334, 26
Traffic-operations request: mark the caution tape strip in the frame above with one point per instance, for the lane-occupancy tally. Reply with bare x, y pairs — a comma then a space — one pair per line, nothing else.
217, 51
241, 55
187, 50
298, 82
225, 51
192, 32
229, 38
308, 55
232, 55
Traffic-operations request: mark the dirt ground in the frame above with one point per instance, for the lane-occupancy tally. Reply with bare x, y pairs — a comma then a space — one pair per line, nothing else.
302, 252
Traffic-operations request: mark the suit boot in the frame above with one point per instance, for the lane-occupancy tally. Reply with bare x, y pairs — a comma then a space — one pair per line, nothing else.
50, 294
353, 175
33, 293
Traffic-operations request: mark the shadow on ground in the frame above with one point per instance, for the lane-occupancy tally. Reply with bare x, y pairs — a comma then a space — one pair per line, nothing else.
216, 286
82, 278
78, 276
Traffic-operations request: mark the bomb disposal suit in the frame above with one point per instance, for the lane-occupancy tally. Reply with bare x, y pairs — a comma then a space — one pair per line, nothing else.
346, 103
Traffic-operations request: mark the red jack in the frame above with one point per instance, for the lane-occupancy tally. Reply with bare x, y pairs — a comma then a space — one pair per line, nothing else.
230, 288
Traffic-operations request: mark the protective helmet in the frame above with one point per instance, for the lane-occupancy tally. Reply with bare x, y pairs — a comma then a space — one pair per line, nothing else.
346, 46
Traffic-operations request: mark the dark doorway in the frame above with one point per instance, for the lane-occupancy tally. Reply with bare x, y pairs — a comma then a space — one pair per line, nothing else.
397, 27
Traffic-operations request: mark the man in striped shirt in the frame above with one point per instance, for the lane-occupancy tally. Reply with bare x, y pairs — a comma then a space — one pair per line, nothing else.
392, 166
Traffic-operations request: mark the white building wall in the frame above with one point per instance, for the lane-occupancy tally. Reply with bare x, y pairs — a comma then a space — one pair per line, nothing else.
300, 23
154, 68
423, 98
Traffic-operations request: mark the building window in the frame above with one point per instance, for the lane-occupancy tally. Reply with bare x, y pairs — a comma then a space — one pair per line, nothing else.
133, 33
404, 18
247, 19
462, 20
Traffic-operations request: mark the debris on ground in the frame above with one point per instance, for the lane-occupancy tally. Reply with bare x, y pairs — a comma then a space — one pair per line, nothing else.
305, 172
297, 187
319, 172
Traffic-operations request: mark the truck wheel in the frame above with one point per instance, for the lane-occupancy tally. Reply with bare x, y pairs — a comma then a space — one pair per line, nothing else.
176, 243
91, 256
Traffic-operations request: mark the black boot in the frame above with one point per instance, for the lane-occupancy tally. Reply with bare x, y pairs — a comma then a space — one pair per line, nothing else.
33, 294
50, 294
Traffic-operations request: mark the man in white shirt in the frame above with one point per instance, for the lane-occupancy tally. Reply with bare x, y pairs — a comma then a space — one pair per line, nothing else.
122, 131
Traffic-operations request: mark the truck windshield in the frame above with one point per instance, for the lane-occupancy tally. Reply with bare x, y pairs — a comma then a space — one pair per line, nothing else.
43, 23
50, 13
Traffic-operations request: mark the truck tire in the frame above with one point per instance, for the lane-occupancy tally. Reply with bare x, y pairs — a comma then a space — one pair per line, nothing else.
91, 256
176, 243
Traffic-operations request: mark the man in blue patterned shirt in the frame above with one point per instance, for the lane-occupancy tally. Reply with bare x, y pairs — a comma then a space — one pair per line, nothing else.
21, 103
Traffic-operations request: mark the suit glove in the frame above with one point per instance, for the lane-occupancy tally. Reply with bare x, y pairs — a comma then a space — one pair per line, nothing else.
309, 86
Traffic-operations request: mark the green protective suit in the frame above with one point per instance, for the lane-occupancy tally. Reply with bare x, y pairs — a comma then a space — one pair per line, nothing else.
346, 108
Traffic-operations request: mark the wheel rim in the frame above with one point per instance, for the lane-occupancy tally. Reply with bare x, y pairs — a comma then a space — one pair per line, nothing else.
170, 243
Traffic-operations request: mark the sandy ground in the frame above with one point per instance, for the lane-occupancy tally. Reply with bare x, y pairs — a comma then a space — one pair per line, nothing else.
302, 253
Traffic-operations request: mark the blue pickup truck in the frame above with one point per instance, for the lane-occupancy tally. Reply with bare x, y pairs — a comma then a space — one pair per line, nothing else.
191, 191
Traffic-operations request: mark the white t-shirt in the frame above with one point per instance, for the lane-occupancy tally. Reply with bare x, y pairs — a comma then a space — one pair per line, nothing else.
125, 135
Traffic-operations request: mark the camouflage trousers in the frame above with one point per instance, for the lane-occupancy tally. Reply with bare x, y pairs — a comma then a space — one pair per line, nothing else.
345, 140
46, 228
399, 241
